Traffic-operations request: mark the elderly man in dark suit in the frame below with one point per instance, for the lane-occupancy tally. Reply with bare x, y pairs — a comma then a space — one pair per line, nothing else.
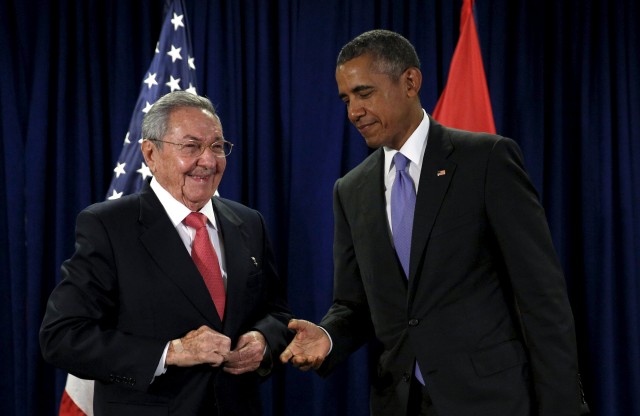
171, 301
443, 254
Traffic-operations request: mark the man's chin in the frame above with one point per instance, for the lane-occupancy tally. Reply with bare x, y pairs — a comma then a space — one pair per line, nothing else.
372, 143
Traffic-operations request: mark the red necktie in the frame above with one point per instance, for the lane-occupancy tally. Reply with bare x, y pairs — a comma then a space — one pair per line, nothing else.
205, 258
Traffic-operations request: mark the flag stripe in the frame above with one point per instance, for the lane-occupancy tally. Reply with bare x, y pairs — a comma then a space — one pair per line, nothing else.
77, 398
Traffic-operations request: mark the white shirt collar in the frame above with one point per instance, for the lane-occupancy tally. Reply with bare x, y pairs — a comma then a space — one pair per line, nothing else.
414, 147
176, 210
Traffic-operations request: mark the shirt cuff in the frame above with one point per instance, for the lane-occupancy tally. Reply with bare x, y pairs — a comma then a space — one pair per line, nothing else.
162, 367
330, 340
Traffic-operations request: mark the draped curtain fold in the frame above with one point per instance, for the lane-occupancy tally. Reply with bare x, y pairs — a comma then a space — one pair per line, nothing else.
564, 82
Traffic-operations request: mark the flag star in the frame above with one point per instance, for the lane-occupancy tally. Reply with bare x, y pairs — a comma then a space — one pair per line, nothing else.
173, 83
191, 89
151, 80
147, 108
144, 171
177, 21
170, 48
174, 53
119, 170
115, 195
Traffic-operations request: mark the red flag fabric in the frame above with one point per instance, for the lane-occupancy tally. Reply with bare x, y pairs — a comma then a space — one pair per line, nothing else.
77, 397
465, 103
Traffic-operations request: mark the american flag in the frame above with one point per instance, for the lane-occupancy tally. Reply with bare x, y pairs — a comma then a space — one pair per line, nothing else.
171, 69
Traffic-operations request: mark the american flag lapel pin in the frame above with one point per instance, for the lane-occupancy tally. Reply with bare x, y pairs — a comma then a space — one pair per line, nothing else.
441, 172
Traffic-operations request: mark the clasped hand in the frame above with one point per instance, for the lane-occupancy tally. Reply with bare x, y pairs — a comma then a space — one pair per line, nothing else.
206, 346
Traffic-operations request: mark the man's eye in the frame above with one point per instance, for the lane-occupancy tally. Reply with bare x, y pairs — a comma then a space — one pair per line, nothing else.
218, 147
190, 149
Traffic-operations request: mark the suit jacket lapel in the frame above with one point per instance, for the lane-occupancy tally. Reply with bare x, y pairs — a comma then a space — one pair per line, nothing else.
435, 178
164, 245
377, 222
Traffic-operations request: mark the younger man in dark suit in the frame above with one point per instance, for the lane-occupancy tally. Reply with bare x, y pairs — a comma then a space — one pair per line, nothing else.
461, 285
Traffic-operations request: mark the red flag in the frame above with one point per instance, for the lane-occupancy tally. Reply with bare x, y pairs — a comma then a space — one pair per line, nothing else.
77, 398
465, 103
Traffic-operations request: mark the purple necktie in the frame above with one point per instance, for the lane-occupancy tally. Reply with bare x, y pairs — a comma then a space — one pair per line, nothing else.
403, 204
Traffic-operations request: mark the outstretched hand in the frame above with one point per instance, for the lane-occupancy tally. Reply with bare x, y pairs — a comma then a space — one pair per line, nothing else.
309, 347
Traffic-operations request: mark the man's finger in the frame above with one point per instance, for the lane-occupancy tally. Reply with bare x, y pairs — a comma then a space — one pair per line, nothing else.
286, 355
297, 324
305, 367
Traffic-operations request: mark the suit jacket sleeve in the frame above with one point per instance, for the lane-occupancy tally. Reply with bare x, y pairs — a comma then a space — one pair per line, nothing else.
79, 331
348, 321
535, 275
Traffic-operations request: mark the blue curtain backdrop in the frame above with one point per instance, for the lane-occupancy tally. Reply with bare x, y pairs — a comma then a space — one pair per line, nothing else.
564, 82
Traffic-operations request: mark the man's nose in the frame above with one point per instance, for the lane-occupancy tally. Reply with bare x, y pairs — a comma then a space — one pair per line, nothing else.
208, 158
355, 112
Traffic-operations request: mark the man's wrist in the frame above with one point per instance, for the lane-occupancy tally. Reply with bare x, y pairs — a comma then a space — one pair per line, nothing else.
177, 345
330, 340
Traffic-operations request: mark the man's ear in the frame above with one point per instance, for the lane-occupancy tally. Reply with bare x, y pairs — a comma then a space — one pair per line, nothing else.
413, 80
149, 152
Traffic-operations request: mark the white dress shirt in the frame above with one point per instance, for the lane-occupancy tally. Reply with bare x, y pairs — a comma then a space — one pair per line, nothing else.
414, 149
177, 212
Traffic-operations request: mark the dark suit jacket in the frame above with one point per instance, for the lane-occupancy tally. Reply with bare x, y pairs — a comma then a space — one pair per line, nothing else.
485, 310
131, 286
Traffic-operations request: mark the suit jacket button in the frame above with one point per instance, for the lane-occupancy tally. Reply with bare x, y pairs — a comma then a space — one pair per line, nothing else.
414, 322
406, 377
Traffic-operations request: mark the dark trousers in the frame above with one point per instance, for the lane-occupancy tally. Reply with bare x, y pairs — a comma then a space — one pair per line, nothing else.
420, 403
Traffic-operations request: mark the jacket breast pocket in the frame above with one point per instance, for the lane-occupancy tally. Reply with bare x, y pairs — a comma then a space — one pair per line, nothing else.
254, 281
447, 223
